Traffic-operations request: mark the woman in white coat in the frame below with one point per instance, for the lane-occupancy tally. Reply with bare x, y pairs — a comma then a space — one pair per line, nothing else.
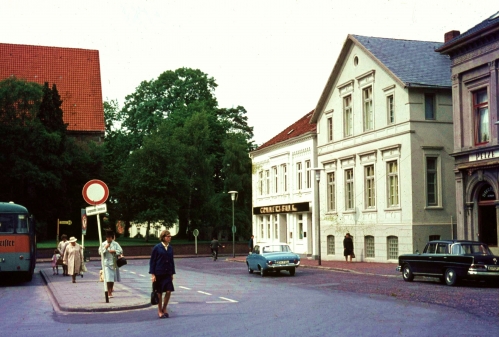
111, 250
73, 258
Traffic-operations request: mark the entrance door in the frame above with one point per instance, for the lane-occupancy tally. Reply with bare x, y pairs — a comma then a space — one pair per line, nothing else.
487, 224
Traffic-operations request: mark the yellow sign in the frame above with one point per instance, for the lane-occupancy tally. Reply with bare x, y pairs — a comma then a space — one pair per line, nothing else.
68, 222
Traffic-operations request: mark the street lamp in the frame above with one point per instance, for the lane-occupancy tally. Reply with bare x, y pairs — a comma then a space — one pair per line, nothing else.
233, 196
318, 212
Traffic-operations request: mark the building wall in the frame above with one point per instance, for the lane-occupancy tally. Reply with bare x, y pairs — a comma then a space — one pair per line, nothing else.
407, 141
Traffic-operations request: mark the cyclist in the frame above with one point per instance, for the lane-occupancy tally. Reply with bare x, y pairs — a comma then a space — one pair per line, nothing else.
214, 248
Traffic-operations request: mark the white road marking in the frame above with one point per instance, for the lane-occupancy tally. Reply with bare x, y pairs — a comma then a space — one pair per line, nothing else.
202, 292
217, 302
132, 272
141, 275
228, 299
185, 288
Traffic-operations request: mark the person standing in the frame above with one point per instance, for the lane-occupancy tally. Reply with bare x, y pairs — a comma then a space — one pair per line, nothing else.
73, 258
162, 269
111, 249
348, 247
62, 247
250, 244
55, 258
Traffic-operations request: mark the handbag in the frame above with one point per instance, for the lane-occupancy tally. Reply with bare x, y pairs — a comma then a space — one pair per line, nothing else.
59, 262
121, 262
154, 296
83, 268
353, 255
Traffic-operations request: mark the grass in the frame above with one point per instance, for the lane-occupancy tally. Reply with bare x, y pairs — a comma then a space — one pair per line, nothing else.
124, 242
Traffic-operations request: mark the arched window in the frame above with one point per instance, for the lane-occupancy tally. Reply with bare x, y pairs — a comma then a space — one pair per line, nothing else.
392, 247
330, 245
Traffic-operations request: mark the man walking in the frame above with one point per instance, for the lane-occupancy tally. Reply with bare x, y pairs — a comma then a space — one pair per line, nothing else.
250, 244
214, 248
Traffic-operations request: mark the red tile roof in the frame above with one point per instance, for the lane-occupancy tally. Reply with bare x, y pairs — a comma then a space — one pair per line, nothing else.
75, 72
299, 128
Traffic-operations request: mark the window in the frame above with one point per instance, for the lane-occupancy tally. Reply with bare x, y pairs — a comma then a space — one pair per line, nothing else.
309, 174
276, 228
433, 237
260, 182
481, 111
330, 245
429, 106
268, 227
393, 184
431, 181
267, 182
331, 192
261, 228
330, 129
392, 243
443, 248
347, 112
299, 176
431, 248
369, 242
284, 171
275, 176
369, 189
390, 109
300, 226
349, 201
367, 98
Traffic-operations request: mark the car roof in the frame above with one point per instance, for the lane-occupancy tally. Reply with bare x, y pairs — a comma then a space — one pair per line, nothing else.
457, 241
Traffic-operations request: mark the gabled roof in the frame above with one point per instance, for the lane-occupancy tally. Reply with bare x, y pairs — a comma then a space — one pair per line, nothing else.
75, 72
300, 127
410, 63
488, 24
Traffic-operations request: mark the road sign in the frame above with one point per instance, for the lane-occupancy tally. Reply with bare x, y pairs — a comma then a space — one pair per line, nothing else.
67, 222
93, 210
195, 232
95, 192
233, 229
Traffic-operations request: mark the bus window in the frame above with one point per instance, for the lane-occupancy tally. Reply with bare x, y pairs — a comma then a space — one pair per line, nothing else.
22, 224
6, 223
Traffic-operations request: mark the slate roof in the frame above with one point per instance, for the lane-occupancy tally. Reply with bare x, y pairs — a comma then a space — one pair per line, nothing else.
486, 24
76, 73
415, 63
300, 127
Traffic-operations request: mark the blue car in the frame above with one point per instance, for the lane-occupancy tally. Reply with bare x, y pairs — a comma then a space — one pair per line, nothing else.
272, 257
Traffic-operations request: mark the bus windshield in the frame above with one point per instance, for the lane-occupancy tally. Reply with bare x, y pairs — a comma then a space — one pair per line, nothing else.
10, 223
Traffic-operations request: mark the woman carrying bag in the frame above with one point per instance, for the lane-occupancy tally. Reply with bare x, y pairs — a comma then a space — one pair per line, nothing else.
111, 249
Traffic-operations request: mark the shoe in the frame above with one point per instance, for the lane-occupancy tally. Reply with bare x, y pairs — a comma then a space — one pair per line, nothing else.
53, 273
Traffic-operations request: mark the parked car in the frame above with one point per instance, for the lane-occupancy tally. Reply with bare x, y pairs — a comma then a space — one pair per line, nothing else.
272, 257
451, 261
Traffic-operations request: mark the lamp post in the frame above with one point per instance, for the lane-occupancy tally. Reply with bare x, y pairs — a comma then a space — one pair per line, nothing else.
233, 196
317, 171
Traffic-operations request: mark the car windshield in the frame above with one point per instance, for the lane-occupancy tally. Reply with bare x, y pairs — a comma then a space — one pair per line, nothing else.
471, 248
275, 248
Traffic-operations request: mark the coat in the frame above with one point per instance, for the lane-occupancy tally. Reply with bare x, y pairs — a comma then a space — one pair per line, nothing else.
111, 269
161, 262
73, 258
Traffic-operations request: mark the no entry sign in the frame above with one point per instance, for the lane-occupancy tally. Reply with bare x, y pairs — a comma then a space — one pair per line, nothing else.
95, 192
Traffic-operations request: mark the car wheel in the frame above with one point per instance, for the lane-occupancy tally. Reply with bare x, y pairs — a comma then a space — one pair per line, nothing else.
262, 272
450, 277
249, 269
292, 272
407, 274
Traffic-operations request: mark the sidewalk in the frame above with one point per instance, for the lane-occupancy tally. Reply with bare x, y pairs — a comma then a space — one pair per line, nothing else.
87, 294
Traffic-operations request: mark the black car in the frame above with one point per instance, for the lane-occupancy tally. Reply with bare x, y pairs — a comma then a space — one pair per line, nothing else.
451, 261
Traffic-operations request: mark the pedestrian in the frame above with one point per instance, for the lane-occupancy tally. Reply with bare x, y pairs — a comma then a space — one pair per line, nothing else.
250, 244
73, 258
111, 250
62, 247
55, 258
162, 269
348, 247
214, 245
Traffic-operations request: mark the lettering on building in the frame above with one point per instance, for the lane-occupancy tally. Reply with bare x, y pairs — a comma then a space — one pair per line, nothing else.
284, 208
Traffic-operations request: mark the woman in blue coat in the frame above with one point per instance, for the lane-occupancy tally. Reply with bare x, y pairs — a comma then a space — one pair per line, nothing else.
162, 269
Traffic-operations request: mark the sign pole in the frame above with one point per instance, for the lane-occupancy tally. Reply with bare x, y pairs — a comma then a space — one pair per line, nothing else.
102, 259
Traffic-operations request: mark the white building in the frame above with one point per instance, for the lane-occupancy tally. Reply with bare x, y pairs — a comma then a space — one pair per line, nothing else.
284, 188
155, 229
384, 138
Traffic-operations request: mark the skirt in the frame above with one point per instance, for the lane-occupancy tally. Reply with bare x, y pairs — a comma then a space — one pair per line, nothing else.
164, 283
347, 252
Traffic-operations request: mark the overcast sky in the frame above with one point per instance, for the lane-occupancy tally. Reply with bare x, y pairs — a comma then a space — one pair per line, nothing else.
272, 57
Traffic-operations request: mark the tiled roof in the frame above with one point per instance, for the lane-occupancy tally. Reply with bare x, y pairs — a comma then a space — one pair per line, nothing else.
75, 72
300, 127
415, 63
484, 25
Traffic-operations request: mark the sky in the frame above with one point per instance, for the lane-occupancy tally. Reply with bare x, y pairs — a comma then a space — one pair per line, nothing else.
271, 57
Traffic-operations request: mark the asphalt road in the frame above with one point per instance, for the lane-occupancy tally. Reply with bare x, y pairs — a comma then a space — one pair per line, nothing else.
222, 299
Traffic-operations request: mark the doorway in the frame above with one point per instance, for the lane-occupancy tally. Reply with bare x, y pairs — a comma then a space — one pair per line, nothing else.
487, 224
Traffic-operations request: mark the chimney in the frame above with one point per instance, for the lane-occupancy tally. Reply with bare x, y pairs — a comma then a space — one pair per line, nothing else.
450, 35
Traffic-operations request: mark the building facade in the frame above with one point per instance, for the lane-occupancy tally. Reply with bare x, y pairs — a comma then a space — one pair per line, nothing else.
284, 188
475, 89
384, 139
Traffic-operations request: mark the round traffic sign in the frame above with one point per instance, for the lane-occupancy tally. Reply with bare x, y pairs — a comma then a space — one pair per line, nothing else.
195, 232
95, 192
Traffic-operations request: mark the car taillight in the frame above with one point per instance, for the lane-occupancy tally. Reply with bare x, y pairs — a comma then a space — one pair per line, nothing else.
295, 261
270, 262
478, 266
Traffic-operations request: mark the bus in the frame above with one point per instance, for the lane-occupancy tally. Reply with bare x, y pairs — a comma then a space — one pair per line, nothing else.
17, 241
